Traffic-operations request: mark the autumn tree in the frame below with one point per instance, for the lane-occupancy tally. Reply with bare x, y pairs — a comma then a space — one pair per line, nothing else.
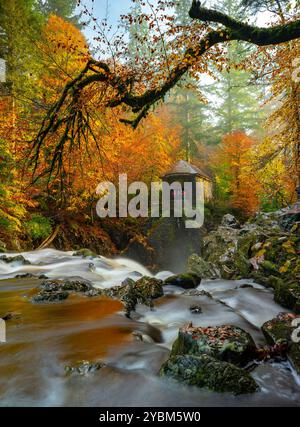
235, 173
280, 151
139, 92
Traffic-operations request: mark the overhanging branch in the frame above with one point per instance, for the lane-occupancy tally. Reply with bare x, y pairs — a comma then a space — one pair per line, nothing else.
66, 118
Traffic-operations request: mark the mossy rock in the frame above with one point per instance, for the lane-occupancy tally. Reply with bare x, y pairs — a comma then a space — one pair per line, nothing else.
273, 282
226, 343
66, 285
50, 297
241, 266
131, 293
206, 372
279, 331
201, 268
185, 281
269, 267
247, 241
84, 367
17, 258
85, 253
59, 290
288, 296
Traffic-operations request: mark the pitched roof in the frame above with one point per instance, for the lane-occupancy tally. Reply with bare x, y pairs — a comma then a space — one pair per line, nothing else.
184, 168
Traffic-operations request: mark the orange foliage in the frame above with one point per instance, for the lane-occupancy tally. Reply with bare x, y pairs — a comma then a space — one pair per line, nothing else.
112, 148
236, 155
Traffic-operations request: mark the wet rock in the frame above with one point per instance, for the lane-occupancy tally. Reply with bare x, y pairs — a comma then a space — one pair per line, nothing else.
14, 315
229, 220
66, 285
140, 250
93, 293
165, 244
279, 332
195, 309
50, 297
185, 281
59, 290
226, 343
198, 266
197, 293
85, 253
131, 293
207, 372
84, 368
138, 336
288, 295
18, 258
24, 276
245, 286
220, 251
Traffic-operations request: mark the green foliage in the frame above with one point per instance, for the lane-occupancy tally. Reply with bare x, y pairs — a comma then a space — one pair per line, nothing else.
38, 227
63, 8
11, 210
20, 23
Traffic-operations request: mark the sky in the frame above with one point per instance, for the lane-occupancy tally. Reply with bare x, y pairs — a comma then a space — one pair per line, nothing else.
112, 9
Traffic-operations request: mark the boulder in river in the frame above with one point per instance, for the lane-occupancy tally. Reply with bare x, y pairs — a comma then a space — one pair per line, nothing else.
279, 332
84, 367
207, 372
131, 293
195, 309
226, 343
14, 315
85, 253
18, 258
288, 295
47, 297
79, 285
59, 290
185, 281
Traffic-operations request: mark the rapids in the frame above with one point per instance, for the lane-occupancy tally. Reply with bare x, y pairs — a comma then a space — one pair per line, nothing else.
43, 338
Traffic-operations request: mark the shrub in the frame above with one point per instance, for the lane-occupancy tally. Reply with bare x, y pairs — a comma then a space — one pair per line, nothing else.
38, 227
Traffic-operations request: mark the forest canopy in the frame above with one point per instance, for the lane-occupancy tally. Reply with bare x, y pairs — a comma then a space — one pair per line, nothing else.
210, 83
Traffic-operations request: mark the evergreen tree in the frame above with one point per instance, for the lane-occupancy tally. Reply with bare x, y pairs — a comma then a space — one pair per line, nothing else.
20, 25
63, 8
234, 98
187, 102
182, 8
138, 31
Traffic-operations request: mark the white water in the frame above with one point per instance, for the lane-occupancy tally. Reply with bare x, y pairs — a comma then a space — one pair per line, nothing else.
49, 336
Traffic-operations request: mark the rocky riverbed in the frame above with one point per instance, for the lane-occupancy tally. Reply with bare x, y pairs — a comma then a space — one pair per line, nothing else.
86, 330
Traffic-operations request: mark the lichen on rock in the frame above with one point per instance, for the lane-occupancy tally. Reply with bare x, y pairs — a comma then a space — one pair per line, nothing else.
227, 343
206, 372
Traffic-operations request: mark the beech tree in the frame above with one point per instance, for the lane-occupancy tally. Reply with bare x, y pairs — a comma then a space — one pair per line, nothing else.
138, 92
